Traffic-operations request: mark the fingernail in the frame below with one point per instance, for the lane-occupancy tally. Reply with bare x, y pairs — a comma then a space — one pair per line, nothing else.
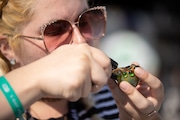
139, 71
124, 86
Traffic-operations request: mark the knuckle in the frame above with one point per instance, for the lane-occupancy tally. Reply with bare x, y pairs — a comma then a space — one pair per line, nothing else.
74, 97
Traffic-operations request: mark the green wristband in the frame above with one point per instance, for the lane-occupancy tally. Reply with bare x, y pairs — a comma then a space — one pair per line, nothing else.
11, 96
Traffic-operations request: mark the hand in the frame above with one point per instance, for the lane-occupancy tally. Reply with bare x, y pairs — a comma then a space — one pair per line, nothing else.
137, 103
72, 71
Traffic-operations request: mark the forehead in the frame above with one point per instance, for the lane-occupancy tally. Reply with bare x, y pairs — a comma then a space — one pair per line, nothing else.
58, 9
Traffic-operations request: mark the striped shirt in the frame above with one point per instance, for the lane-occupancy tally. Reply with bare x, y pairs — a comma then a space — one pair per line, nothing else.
104, 107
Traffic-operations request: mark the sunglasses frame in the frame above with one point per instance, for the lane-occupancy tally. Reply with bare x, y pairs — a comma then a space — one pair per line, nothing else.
42, 28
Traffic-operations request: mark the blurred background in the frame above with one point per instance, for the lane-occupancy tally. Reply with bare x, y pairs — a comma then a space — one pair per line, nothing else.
147, 32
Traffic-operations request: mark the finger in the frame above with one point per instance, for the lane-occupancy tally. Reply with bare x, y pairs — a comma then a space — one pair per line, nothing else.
144, 89
125, 106
124, 115
119, 96
153, 82
136, 63
98, 76
87, 87
147, 78
141, 103
103, 60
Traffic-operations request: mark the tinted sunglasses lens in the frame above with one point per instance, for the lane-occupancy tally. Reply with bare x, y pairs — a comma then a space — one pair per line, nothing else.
56, 34
92, 24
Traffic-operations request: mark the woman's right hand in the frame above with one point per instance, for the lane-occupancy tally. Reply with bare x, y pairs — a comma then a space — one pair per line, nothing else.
72, 71
69, 72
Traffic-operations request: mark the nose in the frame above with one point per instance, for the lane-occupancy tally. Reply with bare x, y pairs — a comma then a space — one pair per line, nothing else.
77, 37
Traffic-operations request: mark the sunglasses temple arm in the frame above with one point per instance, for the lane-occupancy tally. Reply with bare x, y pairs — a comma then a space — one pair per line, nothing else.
114, 66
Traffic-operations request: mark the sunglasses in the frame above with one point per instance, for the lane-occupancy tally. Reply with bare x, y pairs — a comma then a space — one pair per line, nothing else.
91, 24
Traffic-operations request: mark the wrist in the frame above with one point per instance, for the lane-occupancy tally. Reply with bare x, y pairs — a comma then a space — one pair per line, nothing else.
11, 97
25, 85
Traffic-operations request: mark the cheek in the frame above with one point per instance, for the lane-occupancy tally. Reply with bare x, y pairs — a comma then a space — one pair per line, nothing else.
28, 52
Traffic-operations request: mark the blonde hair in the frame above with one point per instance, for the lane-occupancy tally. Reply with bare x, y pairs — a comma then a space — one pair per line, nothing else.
14, 15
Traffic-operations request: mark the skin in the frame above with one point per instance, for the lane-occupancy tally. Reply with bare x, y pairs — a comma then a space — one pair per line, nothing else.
137, 103
72, 59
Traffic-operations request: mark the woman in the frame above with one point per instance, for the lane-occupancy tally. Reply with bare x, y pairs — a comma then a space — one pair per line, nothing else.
47, 76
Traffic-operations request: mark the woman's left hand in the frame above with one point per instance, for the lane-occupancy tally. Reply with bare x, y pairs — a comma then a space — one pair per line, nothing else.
141, 102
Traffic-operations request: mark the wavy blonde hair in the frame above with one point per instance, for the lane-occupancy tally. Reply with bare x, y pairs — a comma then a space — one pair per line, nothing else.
14, 14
